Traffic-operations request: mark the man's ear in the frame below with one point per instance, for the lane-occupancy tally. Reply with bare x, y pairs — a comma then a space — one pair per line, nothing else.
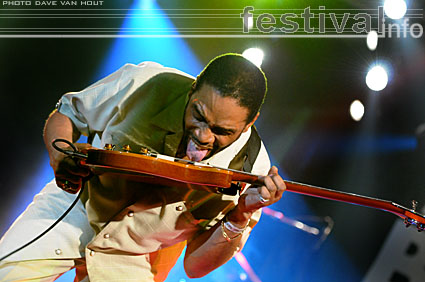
251, 123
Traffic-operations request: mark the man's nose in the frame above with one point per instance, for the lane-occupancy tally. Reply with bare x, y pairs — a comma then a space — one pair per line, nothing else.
204, 136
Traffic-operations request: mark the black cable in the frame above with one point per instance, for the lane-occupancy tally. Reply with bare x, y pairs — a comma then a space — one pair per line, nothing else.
48, 229
73, 154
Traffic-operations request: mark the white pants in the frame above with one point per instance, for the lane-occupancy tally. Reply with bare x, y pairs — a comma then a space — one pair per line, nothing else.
58, 251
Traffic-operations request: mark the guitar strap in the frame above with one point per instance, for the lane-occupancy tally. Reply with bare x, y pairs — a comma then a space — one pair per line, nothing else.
246, 157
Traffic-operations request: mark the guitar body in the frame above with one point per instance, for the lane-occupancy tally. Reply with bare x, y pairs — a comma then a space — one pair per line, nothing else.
153, 170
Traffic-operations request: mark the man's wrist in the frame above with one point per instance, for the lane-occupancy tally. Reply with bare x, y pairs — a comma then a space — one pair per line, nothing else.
235, 228
239, 218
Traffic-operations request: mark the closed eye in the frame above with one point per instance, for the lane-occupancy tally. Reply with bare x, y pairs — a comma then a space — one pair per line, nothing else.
222, 131
197, 114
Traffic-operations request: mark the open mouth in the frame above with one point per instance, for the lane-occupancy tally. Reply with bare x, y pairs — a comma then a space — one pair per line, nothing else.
194, 152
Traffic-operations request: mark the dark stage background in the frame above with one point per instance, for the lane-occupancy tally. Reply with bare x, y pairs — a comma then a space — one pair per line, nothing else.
305, 123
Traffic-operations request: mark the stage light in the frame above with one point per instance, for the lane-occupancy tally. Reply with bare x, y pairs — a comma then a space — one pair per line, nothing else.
255, 55
372, 40
377, 78
357, 110
174, 52
395, 9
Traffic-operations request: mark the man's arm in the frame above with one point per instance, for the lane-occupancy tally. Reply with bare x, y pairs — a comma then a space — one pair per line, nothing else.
67, 172
211, 249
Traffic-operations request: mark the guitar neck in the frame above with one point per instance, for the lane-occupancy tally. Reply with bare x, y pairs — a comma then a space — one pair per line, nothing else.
330, 194
344, 197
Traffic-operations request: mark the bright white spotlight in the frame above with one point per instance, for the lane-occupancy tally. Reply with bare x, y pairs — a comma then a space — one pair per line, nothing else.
395, 9
255, 55
377, 78
372, 40
357, 110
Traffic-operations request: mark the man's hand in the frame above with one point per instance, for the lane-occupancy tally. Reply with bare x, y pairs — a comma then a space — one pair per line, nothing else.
257, 197
68, 172
217, 245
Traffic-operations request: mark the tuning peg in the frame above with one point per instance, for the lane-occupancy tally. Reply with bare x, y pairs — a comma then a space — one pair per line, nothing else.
414, 205
407, 223
147, 152
144, 150
109, 147
126, 148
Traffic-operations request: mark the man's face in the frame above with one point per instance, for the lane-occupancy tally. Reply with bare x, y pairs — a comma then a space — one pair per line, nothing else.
212, 122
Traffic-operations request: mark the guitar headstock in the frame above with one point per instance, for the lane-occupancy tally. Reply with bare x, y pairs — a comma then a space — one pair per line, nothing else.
412, 217
410, 221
